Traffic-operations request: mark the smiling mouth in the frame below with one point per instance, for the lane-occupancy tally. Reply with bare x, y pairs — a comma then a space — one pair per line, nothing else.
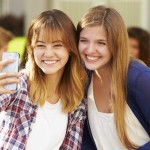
50, 61
91, 58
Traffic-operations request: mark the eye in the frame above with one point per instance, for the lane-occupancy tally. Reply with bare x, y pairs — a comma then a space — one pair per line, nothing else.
83, 41
40, 45
101, 43
58, 45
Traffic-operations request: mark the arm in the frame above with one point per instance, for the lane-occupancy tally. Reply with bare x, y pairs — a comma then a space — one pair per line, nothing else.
6, 95
74, 133
143, 99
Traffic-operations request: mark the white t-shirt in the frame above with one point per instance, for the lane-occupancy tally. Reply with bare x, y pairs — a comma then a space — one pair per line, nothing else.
49, 129
103, 127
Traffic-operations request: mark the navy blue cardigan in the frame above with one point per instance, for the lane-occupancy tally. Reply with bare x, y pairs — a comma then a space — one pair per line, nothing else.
138, 99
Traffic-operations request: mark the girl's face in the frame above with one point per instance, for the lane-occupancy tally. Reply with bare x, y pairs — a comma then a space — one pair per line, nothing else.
50, 57
134, 47
93, 47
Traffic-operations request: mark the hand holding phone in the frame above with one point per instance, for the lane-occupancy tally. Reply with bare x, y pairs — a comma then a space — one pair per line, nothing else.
12, 67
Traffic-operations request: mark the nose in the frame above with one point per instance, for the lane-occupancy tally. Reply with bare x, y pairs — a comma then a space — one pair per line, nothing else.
90, 48
49, 51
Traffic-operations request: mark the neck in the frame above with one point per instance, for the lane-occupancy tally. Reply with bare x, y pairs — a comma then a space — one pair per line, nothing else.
53, 82
102, 89
104, 74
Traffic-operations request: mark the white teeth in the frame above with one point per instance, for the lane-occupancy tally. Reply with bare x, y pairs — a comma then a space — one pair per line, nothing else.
50, 61
92, 58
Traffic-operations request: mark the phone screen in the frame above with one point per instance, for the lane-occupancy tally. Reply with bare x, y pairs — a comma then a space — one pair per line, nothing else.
12, 67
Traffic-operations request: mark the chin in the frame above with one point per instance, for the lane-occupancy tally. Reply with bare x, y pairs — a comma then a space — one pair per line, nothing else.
48, 72
91, 67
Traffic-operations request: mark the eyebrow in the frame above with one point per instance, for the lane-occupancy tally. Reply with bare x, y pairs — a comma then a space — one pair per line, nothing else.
40, 41
95, 40
52, 42
57, 41
103, 40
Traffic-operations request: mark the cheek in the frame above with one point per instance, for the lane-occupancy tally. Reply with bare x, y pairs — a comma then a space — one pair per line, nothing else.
65, 55
35, 59
134, 53
37, 53
108, 54
37, 56
81, 48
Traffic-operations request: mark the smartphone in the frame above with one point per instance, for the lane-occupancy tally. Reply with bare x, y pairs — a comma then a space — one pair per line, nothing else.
12, 67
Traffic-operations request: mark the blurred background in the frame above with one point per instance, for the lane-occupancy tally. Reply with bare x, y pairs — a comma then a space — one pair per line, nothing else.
16, 15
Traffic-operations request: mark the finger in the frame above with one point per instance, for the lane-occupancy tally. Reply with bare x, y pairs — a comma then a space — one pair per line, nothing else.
9, 81
9, 74
5, 91
5, 62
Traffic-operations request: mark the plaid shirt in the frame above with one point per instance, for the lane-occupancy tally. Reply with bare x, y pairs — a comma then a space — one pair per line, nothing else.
20, 116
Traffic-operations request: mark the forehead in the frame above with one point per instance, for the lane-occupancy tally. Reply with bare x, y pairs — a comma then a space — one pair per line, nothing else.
134, 40
94, 32
49, 35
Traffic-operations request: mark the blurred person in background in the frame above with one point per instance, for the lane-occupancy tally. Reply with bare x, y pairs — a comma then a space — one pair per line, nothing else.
5, 37
139, 40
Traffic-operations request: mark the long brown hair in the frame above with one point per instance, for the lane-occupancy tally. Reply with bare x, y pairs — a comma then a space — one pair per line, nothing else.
58, 26
117, 36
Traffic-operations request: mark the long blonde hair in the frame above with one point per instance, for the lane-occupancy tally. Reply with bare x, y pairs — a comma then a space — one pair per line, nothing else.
114, 25
58, 26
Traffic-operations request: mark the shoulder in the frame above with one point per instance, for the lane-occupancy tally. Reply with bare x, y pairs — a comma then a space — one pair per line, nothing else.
137, 67
137, 70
